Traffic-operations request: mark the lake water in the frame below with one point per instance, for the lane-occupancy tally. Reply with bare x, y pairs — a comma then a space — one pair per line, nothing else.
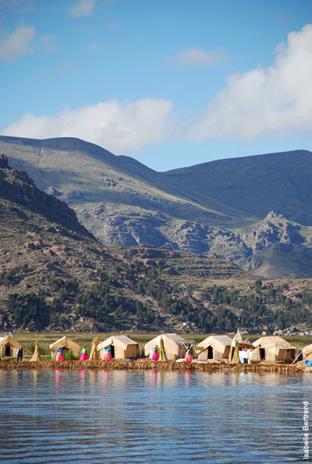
143, 417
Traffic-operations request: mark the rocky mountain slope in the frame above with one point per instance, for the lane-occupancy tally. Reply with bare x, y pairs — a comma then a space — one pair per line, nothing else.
54, 275
236, 209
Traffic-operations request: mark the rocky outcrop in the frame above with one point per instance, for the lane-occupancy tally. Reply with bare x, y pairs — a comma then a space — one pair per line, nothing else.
273, 229
219, 243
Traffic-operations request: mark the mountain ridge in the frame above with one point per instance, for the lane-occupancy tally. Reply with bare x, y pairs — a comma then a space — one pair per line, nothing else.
208, 208
266, 179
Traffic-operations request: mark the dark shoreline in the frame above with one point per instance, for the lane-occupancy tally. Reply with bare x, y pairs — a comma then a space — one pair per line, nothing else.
145, 364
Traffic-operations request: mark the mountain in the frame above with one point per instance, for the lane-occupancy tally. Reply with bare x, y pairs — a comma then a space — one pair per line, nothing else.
54, 275
82, 173
255, 185
209, 209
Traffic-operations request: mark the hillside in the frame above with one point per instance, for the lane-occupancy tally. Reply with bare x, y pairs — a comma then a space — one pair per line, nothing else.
54, 275
214, 209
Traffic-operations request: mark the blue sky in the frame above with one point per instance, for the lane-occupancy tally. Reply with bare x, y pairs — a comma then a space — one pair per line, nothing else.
171, 83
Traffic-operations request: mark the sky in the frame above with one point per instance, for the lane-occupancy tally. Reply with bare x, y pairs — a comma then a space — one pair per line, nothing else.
170, 82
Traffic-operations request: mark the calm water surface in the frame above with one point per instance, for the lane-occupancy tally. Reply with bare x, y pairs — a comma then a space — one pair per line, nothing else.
143, 417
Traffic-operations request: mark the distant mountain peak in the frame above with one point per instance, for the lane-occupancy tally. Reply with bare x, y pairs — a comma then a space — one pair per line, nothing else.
274, 229
275, 216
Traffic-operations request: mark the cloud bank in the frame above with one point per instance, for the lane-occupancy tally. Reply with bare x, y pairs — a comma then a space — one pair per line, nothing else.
265, 101
120, 127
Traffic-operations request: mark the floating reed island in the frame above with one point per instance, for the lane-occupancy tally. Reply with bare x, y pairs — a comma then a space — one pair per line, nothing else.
163, 352
147, 364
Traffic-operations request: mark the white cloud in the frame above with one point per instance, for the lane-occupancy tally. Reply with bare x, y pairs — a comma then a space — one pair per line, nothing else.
197, 56
272, 101
120, 127
17, 43
265, 101
83, 8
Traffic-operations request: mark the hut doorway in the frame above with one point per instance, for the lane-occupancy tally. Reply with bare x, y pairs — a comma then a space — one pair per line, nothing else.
262, 354
210, 352
112, 350
7, 351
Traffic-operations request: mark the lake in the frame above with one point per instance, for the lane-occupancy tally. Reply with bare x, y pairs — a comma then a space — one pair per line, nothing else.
150, 416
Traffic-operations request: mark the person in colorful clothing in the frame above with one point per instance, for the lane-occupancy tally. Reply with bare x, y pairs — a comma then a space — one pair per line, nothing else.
107, 354
59, 355
84, 355
154, 356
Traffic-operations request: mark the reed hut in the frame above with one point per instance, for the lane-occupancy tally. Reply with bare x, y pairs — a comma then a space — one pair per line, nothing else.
215, 347
307, 352
275, 349
171, 346
8, 346
67, 345
122, 347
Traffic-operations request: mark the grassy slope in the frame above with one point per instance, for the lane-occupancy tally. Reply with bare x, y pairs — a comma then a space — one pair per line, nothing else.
86, 174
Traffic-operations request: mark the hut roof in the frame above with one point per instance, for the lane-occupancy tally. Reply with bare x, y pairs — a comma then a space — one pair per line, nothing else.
218, 341
65, 342
273, 341
9, 339
122, 341
307, 350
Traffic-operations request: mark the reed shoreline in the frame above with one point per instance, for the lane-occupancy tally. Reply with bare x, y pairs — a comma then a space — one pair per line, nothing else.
146, 364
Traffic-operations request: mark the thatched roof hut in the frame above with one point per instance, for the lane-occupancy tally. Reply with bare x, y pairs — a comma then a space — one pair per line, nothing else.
214, 347
307, 352
122, 347
67, 345
172, 346
275, 349
8, 346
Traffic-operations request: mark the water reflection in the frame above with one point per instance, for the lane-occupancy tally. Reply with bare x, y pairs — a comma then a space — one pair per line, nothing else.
151, 416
